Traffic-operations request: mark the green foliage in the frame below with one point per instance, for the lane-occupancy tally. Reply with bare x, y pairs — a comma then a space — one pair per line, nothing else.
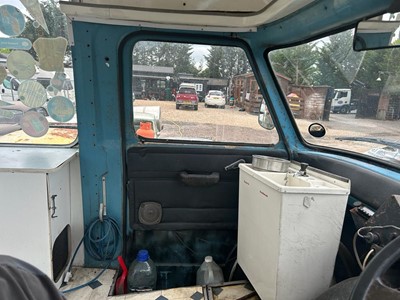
213, 60
56, 23
331, 61
396, 42
297, 63
383, 64
337, 63
5, 50
163, 54
225, 62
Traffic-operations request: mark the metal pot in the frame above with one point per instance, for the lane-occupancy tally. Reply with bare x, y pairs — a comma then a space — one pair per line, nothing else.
270, 164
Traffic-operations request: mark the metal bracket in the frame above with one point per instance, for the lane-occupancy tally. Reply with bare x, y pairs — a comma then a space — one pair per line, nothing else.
103, 204
53, 206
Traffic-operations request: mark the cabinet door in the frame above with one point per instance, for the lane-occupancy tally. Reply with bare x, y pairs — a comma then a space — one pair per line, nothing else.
24, 219
59, 201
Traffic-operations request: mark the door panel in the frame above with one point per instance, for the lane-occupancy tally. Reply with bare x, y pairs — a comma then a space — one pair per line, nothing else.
199, 216
155, 175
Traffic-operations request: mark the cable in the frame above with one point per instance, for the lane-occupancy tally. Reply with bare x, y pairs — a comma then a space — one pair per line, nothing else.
358, 233
355, 250
367, 257
87, 283
228, 258
375, 227
233, 270
179, 238
101, 242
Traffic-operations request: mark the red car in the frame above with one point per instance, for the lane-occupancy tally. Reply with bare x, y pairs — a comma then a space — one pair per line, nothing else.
187, 96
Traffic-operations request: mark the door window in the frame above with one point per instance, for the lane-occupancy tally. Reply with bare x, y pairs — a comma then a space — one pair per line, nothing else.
189, 72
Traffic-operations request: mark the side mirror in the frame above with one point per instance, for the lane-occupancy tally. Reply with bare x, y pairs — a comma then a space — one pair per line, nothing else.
265, 119
15, 84
317, 130
378, 32
7, 84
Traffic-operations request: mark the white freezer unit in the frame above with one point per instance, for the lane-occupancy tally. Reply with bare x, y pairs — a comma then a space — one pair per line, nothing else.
40, 206
289, 230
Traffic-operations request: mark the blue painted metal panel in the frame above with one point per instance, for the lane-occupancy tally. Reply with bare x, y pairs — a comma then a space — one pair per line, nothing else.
96, 71
102, 68
316, 18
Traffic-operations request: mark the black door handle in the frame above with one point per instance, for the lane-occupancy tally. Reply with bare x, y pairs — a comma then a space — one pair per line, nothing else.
191, 179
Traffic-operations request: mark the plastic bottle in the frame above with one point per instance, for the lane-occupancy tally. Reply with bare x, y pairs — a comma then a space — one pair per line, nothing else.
142, 275
209, 273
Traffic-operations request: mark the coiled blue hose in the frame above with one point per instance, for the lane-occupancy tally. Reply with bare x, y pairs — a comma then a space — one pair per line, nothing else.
101, 242
102, 239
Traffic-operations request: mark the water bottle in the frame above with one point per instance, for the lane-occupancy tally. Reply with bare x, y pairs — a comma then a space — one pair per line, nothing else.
209, 273
142, 275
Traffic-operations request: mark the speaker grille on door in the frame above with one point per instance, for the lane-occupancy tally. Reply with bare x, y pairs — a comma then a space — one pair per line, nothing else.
150, 213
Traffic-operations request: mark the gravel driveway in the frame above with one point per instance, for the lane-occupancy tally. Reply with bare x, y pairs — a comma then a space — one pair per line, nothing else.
232, 125
214, 124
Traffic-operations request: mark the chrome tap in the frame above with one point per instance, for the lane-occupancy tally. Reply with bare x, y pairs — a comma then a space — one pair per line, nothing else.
302, 171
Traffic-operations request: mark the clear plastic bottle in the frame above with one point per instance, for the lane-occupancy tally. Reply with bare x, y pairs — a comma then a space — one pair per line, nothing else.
209, 273
142, 275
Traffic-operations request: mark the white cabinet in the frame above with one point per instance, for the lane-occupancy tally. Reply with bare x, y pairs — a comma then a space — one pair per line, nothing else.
289, 230
35, 206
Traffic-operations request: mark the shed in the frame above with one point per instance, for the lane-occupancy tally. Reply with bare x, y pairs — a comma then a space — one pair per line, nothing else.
311, 102
247, 94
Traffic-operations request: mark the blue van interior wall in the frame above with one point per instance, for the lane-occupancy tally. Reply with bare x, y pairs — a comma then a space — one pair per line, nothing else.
102, 68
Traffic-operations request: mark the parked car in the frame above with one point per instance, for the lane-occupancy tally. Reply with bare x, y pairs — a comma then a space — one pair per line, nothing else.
10, 85
9, 88
215, 98
12, 112
187, 96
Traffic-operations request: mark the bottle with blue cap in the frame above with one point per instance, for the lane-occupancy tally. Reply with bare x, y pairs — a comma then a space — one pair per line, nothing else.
142, 274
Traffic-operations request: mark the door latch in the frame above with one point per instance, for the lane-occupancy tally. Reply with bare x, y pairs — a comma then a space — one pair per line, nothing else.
53, 206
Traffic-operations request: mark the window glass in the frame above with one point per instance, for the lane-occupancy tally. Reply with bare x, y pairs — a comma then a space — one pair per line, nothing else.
37, 98
354, 95
181, 109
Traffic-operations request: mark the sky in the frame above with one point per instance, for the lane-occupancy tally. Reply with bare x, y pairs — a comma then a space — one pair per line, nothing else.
199, 51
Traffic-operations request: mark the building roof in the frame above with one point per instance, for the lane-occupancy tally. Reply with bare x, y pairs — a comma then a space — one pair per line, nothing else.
187, 77
152, 69
218, 81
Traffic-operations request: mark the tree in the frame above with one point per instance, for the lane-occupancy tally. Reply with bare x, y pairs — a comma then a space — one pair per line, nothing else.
213, 61
56, 23
183, 62
337, 63
235, 62
225, 62
379, 63
164, 54
297, 63
5, 50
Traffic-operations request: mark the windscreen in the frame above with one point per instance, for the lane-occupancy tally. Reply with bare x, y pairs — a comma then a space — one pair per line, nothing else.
354, 95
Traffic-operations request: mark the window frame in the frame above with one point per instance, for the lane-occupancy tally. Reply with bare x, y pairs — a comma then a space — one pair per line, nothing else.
194, 39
